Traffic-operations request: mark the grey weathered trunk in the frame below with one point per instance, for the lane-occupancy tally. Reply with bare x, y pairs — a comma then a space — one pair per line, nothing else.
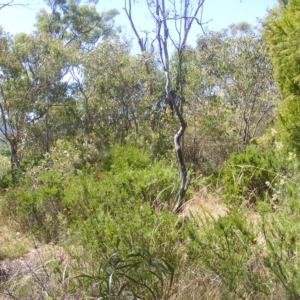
183, 20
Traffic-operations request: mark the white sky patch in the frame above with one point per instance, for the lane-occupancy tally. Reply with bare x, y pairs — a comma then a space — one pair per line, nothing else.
17, 19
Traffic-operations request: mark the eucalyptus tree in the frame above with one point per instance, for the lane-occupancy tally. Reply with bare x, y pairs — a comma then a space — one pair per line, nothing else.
75, 23
116, 104
31, 68
81, 27
172, 22
237, 62
232, 93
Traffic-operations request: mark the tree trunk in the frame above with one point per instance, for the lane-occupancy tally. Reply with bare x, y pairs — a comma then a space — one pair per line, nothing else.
14, 158
183, 20
182, 169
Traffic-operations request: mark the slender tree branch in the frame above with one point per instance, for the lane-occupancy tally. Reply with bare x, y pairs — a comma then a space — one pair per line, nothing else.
129, 16
2, 5
11, 3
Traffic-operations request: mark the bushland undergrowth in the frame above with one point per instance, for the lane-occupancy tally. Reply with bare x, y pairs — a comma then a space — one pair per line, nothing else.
110, 214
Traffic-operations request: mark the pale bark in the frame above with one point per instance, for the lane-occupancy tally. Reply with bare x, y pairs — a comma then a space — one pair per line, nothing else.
183, 19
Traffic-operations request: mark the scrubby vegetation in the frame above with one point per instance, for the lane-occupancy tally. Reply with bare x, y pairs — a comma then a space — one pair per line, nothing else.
118, 239
89, 177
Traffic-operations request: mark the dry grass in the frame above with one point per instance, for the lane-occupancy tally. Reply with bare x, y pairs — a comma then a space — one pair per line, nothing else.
28, 269
32, 270
13, 243
206, 205
203, 204
198, 285
43, 271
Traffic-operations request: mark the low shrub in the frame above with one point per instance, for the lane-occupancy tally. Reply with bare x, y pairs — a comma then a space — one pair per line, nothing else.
245, 175
228, 248
114, 214
5, 168
118, 210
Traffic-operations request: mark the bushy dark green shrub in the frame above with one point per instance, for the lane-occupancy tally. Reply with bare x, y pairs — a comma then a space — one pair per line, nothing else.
135, 249
113, 211
123, 175
118, 212
245, 175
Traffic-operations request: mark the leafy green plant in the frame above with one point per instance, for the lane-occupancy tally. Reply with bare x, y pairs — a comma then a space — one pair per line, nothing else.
280, 227
135, 276
244, 175
5, 168
137, 248
227, 247
113, 213
36, 205
117, 209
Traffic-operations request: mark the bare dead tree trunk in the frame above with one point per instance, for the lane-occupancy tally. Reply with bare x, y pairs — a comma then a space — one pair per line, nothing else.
182, 20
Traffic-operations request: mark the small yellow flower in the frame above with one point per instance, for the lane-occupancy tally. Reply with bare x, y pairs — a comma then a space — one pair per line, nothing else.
273, 132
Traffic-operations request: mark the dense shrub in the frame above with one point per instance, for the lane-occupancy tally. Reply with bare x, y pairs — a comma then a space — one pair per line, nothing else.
245, 176
36, 205
281, 234
228, 248
133, 249
5, 168
114, 213
280, 226
123, 175
116, 209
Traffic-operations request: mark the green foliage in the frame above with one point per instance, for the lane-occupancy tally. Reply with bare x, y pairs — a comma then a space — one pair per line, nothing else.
136, 249
128, 277
281, 232
75, 23
122, 103
227, 247
109, 207
228, 107
36, 204
270, 175
32, 68
280, 226
245, 175
5, 168
129, 157
281, 31
4, 151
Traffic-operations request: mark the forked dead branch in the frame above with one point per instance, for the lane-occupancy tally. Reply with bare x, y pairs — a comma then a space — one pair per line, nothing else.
173, 21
